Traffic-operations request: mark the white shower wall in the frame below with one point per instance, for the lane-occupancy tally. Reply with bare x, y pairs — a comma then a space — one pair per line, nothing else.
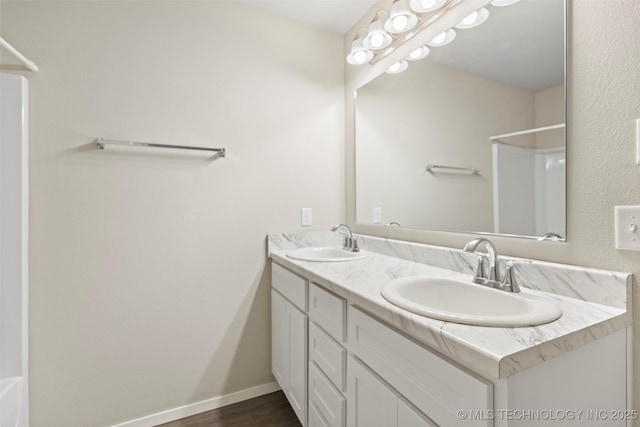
529, 190
13, 250
550, 177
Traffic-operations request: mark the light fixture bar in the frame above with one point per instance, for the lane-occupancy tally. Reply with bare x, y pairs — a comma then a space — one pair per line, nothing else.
421, 26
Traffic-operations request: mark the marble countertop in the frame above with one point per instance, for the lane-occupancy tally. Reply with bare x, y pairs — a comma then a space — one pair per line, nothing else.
491, 352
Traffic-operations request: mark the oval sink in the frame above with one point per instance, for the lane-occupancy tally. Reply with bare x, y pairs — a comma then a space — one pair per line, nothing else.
324, 254
463, 302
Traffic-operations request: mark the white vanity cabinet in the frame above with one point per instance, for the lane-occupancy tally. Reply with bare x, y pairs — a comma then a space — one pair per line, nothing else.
340, 366
568, 390
289, 334
433, 385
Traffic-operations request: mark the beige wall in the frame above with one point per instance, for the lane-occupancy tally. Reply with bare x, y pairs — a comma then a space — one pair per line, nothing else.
149, 283
550, 110
603, 103
435, 114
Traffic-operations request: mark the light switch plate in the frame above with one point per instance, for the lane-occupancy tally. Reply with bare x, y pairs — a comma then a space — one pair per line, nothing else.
306, 217
638, 141
377, 215
628, 227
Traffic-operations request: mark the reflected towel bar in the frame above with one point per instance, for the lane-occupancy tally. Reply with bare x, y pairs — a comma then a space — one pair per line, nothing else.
526, 132
473, 171
102, 142
30, 65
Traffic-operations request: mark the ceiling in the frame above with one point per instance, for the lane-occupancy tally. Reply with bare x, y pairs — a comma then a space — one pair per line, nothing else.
337, 16
520, 45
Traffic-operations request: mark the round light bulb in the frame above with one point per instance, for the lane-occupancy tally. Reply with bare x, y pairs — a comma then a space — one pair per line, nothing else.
360, 56
501, 3
398, 67
400, 22
439, 38
471, 18
376, 40
416, 53
427, 4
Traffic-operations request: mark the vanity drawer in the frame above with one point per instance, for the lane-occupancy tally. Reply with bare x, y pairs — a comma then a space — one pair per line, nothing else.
327, 400
330, 356
328, 311
290, 285
433, 385
315, 419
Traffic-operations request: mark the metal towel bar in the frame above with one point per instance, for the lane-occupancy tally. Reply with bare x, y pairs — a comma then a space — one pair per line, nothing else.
474, 171
101, 143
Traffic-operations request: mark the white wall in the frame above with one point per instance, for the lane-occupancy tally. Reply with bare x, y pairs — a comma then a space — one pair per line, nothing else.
430, 114
603, 92
149, 282
549, 111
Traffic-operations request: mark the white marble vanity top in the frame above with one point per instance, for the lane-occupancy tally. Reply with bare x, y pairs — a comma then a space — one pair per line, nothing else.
593, 302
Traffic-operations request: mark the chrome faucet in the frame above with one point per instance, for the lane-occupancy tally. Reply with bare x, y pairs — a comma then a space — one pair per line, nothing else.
350, 241
492, 279
481, 277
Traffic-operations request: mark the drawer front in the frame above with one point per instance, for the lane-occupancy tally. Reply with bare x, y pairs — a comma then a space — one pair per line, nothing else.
327, 400
330, 356
328, 311
433, 385
315, 419
290, 285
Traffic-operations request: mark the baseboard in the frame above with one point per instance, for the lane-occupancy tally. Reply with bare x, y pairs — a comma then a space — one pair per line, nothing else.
202, 406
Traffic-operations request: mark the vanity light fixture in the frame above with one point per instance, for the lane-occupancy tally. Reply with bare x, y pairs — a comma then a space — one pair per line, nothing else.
443, 38
359, 53
383, 37
474, 19
419, 53
377, 37
398, 67
424, 6
401, 19
501, 3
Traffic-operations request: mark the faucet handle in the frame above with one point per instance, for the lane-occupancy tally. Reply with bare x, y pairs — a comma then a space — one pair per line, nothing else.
509, 281
354, 244
351, 244
347, 243
479, 273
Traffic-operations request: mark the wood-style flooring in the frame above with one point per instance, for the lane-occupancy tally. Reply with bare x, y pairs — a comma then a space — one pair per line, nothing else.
270, 410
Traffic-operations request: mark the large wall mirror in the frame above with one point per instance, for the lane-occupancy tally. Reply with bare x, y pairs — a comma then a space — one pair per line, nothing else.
471, 138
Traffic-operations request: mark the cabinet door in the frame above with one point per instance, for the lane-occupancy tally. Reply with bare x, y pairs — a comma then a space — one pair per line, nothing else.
298, 362
431, 383
280, 339
370, 403
411, 417
289, 352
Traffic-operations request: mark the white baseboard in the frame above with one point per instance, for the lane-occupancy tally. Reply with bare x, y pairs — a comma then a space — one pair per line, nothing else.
199, 407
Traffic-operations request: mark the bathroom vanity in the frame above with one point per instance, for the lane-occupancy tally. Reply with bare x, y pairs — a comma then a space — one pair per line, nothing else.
343, 355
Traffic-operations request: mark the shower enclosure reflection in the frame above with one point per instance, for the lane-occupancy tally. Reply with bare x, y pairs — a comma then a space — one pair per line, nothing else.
13, 251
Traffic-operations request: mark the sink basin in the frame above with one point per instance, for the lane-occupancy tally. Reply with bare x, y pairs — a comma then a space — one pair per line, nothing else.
468, 303
324, 254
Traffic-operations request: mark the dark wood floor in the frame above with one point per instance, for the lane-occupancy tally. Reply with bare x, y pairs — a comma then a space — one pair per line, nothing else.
270, 410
